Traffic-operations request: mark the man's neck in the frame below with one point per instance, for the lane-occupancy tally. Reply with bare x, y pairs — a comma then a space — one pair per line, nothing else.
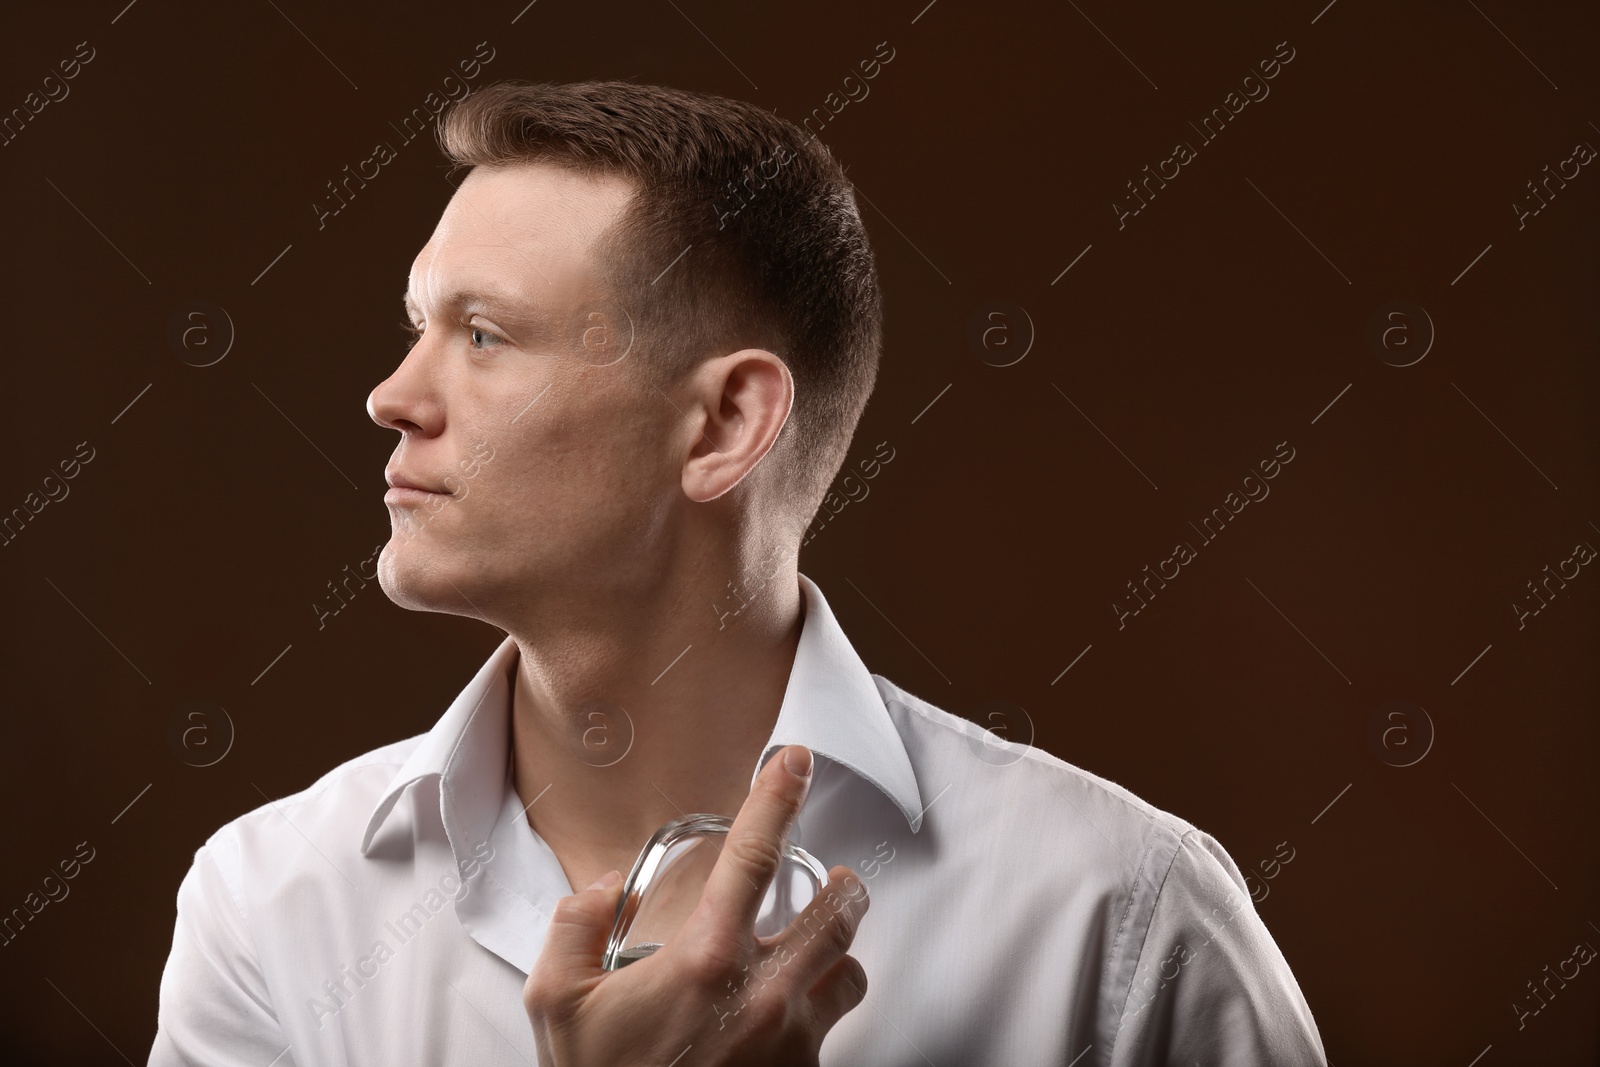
659, 712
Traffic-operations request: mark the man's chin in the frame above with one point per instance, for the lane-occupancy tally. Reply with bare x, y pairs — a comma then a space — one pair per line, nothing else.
419, 584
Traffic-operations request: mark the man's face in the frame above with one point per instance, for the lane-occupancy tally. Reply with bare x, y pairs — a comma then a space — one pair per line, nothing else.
554, 465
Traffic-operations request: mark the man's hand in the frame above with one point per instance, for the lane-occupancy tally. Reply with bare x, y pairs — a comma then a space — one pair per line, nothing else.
714, 988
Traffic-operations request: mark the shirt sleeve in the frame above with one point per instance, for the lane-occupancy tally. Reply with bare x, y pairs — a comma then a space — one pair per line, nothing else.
214, 1008
1210, 985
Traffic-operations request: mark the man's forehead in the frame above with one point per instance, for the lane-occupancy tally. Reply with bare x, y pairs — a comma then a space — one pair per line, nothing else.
539, 205
518, 233
450, 273
499, 263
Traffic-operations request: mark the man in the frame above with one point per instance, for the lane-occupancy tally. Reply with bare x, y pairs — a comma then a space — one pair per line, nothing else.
646, 327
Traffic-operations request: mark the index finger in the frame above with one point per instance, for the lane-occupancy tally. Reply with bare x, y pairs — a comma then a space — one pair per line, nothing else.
753, 851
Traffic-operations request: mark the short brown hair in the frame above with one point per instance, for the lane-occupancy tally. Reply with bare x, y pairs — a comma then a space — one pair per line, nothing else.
773, 251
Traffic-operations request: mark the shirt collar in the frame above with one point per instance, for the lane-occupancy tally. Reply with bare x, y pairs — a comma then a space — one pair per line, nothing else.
831, 705
469, 750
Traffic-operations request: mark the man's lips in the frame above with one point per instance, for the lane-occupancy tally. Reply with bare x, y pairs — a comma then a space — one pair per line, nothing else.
411, 496
403, 490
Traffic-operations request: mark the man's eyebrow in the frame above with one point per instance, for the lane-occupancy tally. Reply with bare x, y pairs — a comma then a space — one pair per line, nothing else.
494, 304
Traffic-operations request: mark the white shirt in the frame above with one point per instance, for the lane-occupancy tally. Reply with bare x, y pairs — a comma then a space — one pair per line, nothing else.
1023, 911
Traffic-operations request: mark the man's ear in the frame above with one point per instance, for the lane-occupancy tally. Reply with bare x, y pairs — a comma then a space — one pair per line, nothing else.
738, 405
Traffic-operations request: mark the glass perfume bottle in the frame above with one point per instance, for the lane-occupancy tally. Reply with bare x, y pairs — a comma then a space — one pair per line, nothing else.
670, 875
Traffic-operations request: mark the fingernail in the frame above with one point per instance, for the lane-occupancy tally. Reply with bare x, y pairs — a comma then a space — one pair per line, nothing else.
606, 881
797, 760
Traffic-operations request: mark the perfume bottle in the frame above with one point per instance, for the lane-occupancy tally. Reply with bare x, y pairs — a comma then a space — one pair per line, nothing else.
670, 875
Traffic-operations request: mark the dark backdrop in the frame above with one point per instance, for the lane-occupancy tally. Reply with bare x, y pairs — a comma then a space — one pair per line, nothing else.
1342, 671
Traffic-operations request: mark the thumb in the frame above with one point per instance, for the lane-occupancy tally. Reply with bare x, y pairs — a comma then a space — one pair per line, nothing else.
575, 940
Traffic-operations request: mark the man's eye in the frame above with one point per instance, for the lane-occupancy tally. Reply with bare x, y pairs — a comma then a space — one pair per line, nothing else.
481, 337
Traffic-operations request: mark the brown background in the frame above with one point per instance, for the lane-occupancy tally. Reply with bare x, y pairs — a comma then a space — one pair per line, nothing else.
989, 151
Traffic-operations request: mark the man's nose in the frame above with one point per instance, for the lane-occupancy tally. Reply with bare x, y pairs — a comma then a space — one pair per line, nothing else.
407, 400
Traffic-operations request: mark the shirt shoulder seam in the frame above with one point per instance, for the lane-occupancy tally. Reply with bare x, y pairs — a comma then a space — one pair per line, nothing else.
231, 877
1144, 940
1160, 819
